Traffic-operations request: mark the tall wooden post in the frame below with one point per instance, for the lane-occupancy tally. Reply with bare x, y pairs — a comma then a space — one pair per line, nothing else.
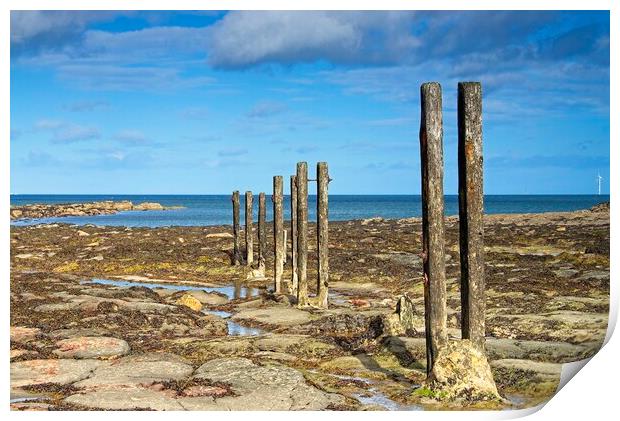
262, 235
431, 153
302, 233
322, 177
278, 237
237, 258
249, 234
470, 212
294, 234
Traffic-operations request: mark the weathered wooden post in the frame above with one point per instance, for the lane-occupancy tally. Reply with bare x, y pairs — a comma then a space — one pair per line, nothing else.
262, 234
431, 153
294, 234
302, 233
471, 236
237, 258
249, 238
284, 241
278, 237
322, 177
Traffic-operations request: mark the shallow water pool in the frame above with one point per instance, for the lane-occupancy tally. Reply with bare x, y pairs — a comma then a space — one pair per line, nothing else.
230, 291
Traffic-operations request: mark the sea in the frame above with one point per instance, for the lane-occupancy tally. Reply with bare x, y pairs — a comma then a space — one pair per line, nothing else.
203, 210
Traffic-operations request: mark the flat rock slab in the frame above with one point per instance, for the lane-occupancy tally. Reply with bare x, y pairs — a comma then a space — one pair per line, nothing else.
64, 371
301, 346
358, 287
547, 351
73, 332
143, 369
261, 387
125, 398
219, 235
414, 349
21, 334
209, 298
279, 316
348, 363
16, 353
91, 347
544, 371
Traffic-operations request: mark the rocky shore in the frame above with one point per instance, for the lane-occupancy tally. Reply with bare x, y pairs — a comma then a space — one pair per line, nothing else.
80, 209
157, 318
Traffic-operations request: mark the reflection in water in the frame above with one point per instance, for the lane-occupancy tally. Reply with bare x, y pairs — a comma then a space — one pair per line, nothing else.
233, 291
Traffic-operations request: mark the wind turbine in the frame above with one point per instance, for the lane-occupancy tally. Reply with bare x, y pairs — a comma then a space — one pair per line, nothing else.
599, 179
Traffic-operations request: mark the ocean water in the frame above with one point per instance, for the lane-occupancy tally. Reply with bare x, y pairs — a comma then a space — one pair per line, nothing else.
200, 210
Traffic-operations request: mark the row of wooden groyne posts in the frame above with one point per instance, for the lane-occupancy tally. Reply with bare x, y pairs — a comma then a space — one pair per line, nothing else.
298, 285
470, 174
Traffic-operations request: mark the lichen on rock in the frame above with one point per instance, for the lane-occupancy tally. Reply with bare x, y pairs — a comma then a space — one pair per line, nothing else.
404, 321
190, 301
461, 372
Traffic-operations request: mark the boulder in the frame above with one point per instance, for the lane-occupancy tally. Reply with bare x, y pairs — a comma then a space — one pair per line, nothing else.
404, 321
461, 371
189, 301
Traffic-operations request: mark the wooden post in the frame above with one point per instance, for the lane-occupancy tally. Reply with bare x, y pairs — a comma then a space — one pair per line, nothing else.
322, 177
471, 236
431, 153
262, 235
302, 233
249, 238
237, 258
278, 227
294, 234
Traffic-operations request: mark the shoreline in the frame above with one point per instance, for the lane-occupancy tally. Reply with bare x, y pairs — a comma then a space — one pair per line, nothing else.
600, 207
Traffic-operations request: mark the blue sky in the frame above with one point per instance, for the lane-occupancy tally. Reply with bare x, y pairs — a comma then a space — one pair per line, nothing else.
209, 102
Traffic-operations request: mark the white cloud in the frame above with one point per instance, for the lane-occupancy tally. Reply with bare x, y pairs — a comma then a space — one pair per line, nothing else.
242, 38
36, 29
148, 42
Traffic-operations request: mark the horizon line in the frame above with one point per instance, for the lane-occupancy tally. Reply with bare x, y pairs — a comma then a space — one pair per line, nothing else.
331, 194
